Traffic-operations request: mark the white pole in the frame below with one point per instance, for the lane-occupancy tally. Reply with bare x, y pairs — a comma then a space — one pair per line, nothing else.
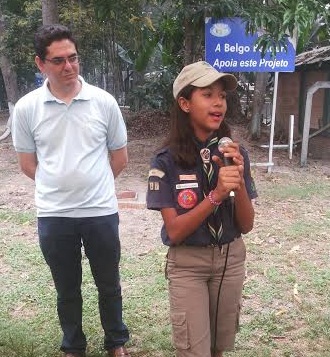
307, 123
291, 126
307, 118
277, 146
261, 164
272, 127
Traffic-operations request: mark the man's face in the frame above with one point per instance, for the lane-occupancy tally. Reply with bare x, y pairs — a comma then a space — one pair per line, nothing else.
61, 64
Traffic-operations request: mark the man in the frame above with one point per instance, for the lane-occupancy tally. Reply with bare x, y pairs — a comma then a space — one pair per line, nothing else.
71, 139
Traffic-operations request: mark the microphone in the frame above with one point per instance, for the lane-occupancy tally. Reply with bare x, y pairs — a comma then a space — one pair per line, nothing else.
223, 142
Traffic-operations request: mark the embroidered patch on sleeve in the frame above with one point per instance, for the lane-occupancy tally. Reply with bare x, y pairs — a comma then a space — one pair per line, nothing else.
157, 173
187, 198
153, 186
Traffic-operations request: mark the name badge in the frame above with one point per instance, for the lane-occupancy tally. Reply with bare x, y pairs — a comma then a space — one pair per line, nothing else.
191, 177
183, 186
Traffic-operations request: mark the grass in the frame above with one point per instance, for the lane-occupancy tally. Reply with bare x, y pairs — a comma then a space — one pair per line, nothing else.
286, 305
298, 190
28, 322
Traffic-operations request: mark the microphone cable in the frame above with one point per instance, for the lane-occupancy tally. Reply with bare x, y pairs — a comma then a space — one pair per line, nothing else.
223, 142
218, 297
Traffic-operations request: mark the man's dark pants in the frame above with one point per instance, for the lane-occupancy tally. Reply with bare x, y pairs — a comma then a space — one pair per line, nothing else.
61, 240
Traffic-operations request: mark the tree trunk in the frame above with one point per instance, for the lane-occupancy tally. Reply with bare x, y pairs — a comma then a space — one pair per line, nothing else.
49, 12
10, 79
192, 43
188, 55
234, 112
258, 103
8, 73
9, 76
117, 86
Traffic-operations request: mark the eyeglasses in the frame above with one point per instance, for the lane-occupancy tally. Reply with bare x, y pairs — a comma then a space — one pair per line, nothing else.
57, 61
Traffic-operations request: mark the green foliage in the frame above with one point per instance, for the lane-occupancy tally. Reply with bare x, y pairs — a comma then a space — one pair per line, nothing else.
90, 36
154, 34
12, 6
112, 10
145, 54
155, 92
124, 18
282, 18
24, 20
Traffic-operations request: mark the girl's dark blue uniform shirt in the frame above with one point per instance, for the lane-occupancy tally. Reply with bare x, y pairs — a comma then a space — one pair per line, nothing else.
170, 186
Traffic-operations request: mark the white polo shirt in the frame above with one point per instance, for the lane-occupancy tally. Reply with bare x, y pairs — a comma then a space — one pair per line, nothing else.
73, 176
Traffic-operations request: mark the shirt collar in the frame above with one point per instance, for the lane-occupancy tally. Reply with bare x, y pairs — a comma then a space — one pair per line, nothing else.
84, 93
210, 142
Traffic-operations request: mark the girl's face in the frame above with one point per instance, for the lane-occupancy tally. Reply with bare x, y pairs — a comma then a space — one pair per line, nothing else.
207, 108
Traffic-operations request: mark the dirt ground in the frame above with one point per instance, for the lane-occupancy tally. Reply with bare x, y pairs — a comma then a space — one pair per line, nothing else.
140, 228
137, 223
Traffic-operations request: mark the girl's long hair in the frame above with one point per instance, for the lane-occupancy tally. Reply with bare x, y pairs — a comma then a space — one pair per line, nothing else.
181, 139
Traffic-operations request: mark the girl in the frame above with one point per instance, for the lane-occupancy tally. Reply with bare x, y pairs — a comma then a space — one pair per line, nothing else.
204, 193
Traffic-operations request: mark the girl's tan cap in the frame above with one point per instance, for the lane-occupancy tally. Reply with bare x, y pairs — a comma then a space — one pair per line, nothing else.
201, 74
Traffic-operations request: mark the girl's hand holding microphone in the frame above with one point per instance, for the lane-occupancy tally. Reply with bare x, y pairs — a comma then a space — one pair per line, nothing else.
230, 178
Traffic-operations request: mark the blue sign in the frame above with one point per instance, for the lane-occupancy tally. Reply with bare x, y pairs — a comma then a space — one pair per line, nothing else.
229, 49
38, 80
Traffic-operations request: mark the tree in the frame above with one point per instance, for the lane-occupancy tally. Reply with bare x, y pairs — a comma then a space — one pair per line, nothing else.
119, 20
190, 37
258, 103
50, 12
9, 75
8, 71
155, 37
280, 19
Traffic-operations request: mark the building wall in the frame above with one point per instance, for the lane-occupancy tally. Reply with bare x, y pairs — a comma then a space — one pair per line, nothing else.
288, 100
318, 98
